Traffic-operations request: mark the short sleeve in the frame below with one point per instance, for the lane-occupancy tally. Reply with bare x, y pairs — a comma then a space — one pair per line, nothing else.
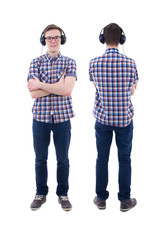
33, 70
136, 78
71, 68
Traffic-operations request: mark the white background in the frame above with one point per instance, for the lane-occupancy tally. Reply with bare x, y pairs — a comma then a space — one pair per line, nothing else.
21, 25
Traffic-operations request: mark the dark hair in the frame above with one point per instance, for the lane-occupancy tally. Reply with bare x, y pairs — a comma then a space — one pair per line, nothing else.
112, 34
50, 27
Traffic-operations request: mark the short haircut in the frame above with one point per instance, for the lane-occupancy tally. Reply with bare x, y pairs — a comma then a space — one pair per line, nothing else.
112, 34
50, 27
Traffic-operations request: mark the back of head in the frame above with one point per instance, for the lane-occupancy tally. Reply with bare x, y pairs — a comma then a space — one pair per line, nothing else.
112, 34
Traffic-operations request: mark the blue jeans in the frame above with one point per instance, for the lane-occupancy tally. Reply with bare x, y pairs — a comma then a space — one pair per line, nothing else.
41, 141
123, 137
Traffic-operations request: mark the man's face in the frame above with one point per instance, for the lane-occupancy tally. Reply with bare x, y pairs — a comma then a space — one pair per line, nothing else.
53, 45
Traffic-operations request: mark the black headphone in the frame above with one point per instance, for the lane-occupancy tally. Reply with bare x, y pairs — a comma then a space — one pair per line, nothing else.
102, 39
63, 38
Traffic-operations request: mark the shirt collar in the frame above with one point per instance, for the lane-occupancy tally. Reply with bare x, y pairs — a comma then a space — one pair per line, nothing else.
53, 59
112, 50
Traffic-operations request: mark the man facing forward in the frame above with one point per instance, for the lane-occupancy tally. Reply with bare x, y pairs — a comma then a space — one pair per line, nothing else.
51, 80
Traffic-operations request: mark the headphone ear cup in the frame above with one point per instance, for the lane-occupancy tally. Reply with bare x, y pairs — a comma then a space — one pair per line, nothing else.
42, 40
63, 39
122, 39
101, 38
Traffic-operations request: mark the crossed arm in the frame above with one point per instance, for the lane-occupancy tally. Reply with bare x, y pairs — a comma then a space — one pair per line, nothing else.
39, 89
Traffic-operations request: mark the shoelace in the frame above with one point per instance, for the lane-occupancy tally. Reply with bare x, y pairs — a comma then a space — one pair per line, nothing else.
38, 197
64, 198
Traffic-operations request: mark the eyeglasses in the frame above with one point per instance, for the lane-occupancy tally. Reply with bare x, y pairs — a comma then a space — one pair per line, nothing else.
56, 38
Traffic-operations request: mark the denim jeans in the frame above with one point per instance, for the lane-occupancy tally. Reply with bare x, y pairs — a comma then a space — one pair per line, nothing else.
41, 141
123, 136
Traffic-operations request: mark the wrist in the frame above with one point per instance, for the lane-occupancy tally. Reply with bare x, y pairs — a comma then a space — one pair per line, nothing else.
41, 84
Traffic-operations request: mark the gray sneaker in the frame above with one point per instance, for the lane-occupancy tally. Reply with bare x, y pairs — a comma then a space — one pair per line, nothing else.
65, 203
128, 204
38, 201
101, 204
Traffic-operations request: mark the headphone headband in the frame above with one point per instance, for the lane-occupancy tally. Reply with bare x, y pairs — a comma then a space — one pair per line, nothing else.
63, 38
102, 39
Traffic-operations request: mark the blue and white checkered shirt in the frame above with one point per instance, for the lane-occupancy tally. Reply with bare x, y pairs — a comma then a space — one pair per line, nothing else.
50, 70
114, 75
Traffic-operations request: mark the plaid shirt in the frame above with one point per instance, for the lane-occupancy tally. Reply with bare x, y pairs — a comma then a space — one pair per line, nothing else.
50, 70
114, 75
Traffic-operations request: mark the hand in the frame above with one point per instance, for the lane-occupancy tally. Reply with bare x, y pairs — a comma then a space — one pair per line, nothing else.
34, 84
134, 88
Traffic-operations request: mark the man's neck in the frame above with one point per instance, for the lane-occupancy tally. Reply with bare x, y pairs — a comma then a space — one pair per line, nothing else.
112, 46
53, 54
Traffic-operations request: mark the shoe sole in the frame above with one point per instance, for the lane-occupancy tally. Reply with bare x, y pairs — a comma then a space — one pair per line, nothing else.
101, 208
35, 209
67, 209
